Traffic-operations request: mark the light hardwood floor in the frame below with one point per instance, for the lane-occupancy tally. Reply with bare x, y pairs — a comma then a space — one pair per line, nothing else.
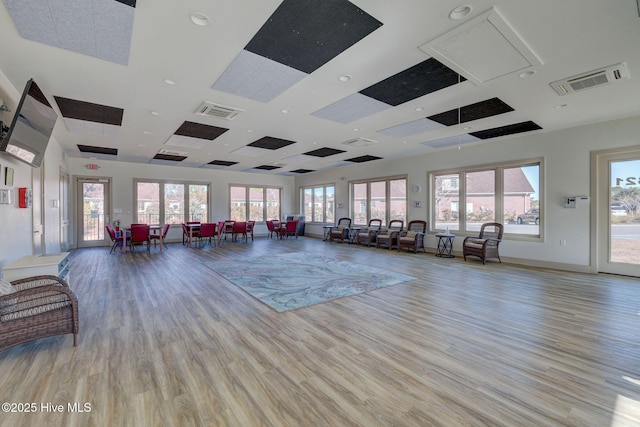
165, 341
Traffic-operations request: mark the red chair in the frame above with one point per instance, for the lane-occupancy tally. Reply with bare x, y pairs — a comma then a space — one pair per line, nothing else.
227, 228
239, 228
160, 237
290, 229
139, 235
207, 231
274, 227
250, 226
116, 238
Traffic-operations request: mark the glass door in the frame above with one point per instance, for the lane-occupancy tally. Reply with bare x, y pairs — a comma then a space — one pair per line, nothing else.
93, 211
619, 214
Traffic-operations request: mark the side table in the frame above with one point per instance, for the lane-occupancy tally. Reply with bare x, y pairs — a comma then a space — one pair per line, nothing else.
445, 245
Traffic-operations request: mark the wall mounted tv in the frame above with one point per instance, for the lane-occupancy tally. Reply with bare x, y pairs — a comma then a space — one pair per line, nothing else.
28, 136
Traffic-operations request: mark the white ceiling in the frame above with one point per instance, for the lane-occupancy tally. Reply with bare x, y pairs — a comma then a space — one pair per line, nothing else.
557, 39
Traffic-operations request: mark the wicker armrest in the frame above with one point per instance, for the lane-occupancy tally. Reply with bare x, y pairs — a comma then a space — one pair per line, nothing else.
38, 281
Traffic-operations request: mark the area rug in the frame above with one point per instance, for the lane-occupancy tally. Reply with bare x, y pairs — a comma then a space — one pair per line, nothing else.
289, 281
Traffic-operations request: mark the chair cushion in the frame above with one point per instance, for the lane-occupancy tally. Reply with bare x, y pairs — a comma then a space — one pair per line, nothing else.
47, 301
411, 234
6, 288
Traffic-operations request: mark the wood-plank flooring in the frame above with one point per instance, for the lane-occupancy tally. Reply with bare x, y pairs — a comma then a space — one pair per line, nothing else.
164, 341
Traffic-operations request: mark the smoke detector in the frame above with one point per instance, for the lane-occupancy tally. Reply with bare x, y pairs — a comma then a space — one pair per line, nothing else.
591, 79
211, 109
359, 142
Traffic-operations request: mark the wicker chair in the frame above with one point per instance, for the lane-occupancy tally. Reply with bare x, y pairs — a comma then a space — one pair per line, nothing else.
341, 232
40, 306
413, 236
389, 237
484, 246
368, 235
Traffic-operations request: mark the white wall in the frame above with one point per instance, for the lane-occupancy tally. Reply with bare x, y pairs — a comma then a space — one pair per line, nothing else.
122, 175
566, 155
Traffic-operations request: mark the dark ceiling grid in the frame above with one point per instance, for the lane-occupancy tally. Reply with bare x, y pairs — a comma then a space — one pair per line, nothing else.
97, 150
270, 143
306, 34
421, 79
362, 159
131, 3
90, 112
201, 131
222, 163
468, 113
267, 167
506, 130
303, 171
170, 157
298, 38
324, 152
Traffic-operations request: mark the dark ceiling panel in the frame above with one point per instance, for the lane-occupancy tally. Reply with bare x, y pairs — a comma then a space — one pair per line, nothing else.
419, 80
302, 171
270, 143
468, 113
169, 157
97, 150
131, 3
90, 112
324, 152
506, 130
306, 34
267, 167
222, 163
198, 130
363, 159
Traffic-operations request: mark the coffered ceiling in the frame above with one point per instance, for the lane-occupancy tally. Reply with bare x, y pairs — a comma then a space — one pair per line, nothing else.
295, 86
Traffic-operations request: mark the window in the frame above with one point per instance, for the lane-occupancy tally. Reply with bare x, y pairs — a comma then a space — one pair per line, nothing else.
507, 193
383, 199
253, 203
318, 203
162, 202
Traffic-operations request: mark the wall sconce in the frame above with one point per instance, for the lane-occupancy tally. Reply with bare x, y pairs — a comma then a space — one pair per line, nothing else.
3, 107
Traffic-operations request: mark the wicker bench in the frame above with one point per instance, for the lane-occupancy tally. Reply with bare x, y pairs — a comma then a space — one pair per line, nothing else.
38, 307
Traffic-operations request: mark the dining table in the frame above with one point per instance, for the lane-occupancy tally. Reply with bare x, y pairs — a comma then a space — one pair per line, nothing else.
153, 230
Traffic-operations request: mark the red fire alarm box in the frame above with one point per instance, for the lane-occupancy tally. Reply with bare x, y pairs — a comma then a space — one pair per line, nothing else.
24, 197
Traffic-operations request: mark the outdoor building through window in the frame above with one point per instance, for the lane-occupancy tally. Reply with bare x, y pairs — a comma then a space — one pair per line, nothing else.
379, 198
160, 202
318, 203
507, 193
253, 203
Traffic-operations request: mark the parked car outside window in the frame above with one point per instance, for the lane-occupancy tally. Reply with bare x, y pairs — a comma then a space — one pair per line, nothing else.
618, 211
532, 216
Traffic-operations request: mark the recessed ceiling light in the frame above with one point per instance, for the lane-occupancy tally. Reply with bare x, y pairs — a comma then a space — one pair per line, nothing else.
147, 132
249, 130
199, 19
356, 129
419, 108
467, 128
526, 74
344, 78
170, 82
285, 111
154, 113
561, 105
404, 142
142, 145
460, 12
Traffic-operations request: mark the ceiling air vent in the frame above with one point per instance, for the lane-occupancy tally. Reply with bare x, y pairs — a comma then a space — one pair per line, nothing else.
173, 152
211, 109
359, 142
591, 79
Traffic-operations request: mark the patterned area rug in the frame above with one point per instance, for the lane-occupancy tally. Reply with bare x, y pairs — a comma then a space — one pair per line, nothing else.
289, 281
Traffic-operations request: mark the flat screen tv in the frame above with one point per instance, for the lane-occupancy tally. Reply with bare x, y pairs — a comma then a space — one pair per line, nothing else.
28, 136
